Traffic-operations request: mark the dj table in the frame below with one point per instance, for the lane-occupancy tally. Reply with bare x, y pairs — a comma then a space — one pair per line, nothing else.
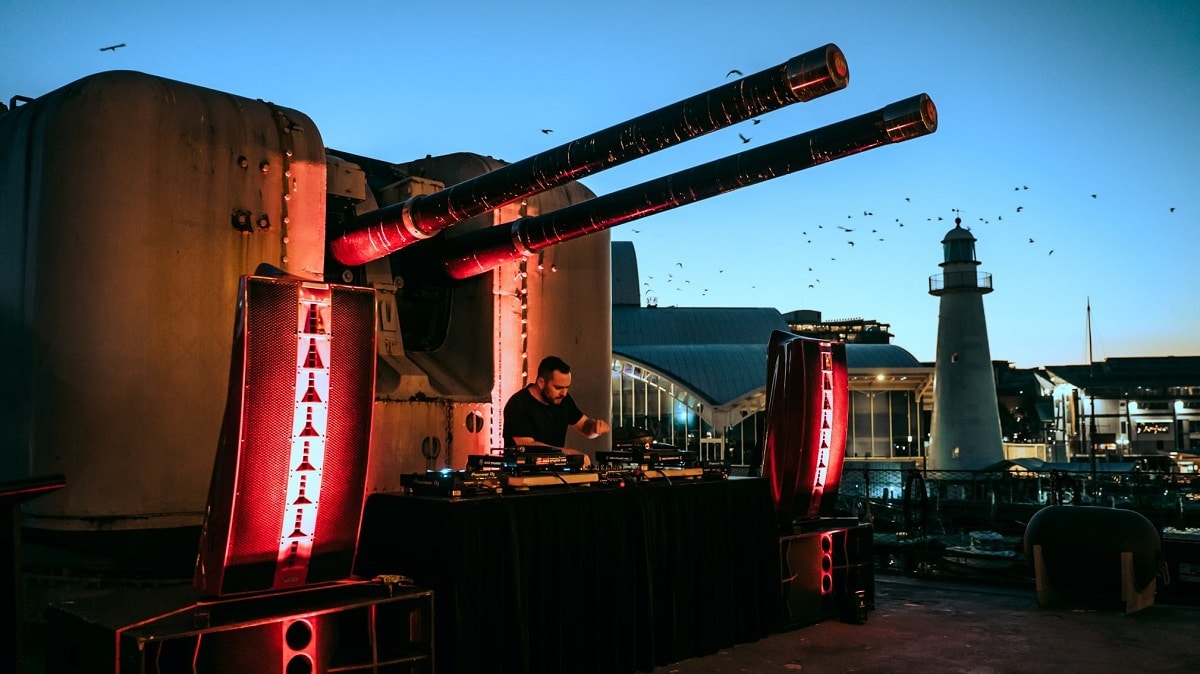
591, 579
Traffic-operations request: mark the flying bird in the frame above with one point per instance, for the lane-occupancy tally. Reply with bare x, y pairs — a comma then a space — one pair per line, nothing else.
1093, 196
1019, 208
756, 121
678, 264
1051, 252
850, 242
744, 139
1172, 209
735, 71
112, 47
1031, 241
845, 229
547, 130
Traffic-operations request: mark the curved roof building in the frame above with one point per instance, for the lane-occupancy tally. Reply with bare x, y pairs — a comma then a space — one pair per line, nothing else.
695, 376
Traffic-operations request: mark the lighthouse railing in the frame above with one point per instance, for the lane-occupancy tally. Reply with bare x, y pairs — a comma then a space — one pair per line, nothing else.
958, 280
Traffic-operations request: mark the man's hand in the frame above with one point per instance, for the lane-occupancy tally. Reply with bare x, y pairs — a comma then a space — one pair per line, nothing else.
594, 428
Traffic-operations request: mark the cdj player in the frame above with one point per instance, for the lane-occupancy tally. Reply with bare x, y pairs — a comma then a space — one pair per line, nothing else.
451, 483
520, 460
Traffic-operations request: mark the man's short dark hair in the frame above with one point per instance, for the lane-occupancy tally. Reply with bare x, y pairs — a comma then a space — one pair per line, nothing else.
550, 365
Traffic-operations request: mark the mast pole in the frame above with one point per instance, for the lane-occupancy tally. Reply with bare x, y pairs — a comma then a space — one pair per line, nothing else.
1092, 396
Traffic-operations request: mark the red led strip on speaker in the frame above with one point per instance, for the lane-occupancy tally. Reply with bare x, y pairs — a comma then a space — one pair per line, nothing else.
821, 474
309, 422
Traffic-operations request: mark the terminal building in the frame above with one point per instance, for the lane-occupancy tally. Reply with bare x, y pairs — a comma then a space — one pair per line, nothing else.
694, 377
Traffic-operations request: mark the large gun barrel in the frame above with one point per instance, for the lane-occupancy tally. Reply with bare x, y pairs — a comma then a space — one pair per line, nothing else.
802, 78
481, 250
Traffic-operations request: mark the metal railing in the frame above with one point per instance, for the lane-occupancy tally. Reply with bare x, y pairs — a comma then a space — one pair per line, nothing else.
960, 500
956, 280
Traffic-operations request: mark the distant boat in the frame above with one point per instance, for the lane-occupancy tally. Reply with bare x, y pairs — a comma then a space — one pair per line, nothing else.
987, 551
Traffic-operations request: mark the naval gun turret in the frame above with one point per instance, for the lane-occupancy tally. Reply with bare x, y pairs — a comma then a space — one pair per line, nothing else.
135, 203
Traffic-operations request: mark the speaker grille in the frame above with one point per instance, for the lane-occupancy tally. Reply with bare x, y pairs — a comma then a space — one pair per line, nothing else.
287, 490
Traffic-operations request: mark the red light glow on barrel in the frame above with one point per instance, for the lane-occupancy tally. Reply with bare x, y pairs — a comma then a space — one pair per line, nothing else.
802, 78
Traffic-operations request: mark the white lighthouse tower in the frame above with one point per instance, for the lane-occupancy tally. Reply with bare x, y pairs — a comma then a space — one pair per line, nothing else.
965, 433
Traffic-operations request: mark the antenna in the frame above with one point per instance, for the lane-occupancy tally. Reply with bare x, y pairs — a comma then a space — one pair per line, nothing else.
1089, 329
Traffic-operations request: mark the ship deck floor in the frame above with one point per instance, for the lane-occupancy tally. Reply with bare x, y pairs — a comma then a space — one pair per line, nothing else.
921, 625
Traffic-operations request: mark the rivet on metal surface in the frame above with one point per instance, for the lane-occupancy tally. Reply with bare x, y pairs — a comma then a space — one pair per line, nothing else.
241, 220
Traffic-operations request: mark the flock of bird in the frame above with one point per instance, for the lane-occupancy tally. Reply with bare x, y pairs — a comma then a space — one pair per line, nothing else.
866, 229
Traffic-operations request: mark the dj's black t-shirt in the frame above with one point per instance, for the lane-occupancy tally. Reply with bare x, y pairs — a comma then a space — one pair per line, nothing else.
527, 417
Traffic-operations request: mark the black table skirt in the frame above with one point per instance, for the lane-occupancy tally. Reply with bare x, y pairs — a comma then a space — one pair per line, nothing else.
593, 579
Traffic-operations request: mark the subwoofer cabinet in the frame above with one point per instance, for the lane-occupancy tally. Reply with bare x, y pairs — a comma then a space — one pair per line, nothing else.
826, 571
346, 627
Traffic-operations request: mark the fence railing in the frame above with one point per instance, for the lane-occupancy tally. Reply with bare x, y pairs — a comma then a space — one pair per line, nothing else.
909, 498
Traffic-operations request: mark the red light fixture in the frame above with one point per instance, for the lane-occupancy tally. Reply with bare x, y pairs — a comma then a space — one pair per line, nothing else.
806, 415
287, 489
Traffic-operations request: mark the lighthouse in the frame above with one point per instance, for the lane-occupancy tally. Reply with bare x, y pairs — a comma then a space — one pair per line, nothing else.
965, 432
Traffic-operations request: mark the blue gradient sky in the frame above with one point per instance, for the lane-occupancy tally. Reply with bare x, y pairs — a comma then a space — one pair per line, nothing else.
1069, 99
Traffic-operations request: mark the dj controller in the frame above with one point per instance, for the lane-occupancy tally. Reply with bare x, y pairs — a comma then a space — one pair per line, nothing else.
516, 470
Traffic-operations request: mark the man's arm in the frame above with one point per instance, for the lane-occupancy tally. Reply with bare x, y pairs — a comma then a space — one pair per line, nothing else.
591, 428
527, 441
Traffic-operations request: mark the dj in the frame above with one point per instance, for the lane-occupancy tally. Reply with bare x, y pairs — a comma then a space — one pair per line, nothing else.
539, 414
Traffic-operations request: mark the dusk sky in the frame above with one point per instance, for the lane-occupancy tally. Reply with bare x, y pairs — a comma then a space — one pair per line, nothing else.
1068, 139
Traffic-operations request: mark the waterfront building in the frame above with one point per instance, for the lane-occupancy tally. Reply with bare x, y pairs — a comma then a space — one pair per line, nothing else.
808, 322
1126, 407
